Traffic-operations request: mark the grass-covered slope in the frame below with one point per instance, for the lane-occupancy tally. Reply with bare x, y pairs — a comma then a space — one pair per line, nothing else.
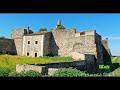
9, 61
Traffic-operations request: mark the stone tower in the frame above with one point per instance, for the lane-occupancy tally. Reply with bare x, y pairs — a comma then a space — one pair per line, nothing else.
106, 47
17, 36
59, 22
59, 26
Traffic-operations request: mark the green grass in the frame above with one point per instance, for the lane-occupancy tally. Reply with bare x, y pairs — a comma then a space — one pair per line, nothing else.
116, 72
115, 59
9, 61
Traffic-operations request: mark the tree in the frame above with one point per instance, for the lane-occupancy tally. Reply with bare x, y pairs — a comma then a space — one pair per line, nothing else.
43, 29
2, 37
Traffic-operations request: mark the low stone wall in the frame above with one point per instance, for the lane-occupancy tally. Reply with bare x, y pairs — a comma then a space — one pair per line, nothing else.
50, 68
26, 67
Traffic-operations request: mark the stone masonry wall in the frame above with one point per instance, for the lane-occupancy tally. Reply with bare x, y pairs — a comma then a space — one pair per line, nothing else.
7, 46
63, 41
44, 68
25, 67
46, 44
105, 44
99, 53
85, 42
17, 35
33, 48
18, 45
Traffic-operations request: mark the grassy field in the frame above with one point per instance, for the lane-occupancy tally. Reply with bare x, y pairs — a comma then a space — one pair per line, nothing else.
115, 59
116, 62
8, 61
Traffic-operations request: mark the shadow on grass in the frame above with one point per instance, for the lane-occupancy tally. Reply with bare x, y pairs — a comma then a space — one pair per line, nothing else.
115, 66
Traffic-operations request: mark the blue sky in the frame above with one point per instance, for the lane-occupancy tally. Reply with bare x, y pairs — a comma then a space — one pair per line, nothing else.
107, 25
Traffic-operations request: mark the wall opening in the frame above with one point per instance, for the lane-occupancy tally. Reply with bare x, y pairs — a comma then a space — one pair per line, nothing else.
7, 52
82, 33
35, 54
27, 53
28, 42
36, 42
0, 52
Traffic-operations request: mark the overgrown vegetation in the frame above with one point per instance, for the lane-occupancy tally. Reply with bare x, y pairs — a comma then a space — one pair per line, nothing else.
4, 72
2, 37
72, 72
30, 73
7, 73
8, 64
9, 61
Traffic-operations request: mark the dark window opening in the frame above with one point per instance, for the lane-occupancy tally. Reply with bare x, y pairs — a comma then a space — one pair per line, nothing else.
82, 33
35, 54
28, 42
27, 53
36, 42
0, 52
7, 52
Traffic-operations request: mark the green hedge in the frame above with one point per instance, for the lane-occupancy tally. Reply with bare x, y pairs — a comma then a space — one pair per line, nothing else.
30, 73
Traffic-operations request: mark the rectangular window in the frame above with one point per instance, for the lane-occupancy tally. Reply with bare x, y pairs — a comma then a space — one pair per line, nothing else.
36, 42
27, 53
35, 54
28, 42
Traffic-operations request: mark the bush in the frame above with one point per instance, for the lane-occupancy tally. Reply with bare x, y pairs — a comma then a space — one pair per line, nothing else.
4, 72
14, 74
42, 29
30, 73
69, 72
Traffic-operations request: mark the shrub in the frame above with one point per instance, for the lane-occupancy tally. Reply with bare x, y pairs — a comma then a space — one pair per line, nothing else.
4, 72
14, 74
30, 73
43, 29
69, 72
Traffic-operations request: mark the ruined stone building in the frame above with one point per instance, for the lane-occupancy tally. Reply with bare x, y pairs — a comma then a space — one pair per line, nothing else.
60, 41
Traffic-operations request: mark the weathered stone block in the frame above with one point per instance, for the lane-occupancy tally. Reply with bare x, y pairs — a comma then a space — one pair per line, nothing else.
25, 67
52, 71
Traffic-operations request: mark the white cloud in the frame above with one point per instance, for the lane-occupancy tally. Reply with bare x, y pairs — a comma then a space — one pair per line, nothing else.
115, 51
112, 37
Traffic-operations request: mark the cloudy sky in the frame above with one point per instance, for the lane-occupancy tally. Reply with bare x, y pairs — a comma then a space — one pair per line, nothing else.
107, 25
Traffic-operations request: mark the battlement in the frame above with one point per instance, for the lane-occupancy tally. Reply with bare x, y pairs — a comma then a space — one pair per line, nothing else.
85, 33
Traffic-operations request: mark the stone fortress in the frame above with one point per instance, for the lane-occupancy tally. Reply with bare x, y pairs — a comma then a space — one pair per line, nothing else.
66, 42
